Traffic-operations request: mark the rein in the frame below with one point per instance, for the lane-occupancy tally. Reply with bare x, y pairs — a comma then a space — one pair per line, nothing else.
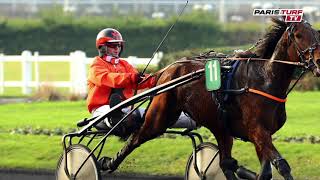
277, 61
159, 73
300, 64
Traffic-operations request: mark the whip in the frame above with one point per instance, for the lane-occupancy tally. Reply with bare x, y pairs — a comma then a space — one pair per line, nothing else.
164, 38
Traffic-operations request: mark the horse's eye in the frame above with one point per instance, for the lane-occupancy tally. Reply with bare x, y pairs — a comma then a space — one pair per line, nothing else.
298, 36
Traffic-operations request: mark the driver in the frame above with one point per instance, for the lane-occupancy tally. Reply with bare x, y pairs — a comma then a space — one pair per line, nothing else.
112, 80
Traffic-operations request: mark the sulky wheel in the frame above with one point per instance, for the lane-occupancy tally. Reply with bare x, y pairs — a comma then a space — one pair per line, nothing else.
207, 157
76, 155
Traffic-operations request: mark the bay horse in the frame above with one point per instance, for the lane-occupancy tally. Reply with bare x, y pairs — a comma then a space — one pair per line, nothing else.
250, 116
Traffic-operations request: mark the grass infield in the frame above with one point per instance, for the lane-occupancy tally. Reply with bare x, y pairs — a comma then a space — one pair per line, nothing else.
166, 155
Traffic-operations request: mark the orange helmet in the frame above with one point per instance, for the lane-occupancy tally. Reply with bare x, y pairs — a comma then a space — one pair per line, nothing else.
108, 35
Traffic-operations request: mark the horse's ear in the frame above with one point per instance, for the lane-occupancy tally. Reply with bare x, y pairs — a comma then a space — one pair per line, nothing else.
278, 19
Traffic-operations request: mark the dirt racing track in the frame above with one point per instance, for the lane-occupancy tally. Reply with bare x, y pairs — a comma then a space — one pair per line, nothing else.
18, 174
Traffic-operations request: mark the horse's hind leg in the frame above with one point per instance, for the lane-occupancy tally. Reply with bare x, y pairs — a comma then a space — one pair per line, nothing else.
157, 119
268, 153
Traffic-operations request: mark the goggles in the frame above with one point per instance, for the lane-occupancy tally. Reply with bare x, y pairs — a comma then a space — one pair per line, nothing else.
113, 45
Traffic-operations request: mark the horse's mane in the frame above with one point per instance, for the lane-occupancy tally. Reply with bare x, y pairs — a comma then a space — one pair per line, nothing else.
264, 48
268, 43
270, 39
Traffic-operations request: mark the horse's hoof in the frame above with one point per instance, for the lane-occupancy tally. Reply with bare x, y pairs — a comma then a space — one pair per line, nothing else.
288, 177
244, 173
106, 165
264, 177
230, 175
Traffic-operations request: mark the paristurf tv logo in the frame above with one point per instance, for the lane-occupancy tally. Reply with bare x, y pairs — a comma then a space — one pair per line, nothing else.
291, 15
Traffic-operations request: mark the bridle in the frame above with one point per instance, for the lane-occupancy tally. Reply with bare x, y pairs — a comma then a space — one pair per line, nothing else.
308, 64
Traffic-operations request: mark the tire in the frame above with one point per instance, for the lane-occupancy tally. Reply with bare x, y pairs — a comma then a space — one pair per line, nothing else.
207, 160
76, 156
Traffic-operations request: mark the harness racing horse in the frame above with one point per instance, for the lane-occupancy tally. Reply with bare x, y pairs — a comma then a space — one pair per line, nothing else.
253, 115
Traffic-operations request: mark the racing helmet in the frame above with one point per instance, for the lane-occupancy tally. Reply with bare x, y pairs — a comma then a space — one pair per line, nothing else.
108, 35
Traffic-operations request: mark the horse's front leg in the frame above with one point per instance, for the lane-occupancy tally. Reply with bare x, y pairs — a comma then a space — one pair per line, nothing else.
225, 142
157, 119
228, 164
266, 170
268, 153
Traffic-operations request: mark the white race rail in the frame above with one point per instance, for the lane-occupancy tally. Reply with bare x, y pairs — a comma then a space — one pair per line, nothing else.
78, 70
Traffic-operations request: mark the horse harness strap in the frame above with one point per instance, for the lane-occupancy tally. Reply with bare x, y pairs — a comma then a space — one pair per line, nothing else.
267, 95
227, 87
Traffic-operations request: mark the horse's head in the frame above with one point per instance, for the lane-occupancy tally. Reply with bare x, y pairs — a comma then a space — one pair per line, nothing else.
303, 45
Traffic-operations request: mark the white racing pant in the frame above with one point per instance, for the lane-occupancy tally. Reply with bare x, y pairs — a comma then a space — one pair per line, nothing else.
182, 122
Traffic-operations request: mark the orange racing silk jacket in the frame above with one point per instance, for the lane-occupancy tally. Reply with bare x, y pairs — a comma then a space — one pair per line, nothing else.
104, 75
